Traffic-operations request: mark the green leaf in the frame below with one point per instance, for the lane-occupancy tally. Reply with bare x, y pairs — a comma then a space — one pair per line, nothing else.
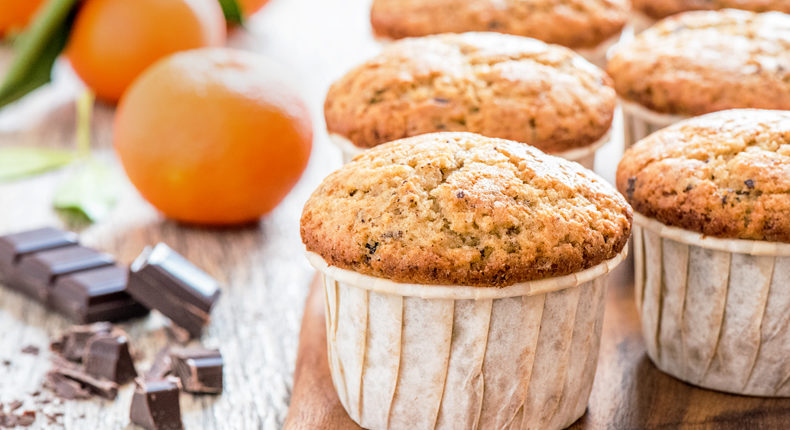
37, 49
232, 11
89, 193
19, 162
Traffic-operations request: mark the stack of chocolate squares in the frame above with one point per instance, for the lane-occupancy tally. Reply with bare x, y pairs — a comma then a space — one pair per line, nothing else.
87, 286
50, 266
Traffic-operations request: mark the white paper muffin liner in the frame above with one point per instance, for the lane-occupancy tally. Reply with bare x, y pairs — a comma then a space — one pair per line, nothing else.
584, 156
640, 122
715, 312
407, 356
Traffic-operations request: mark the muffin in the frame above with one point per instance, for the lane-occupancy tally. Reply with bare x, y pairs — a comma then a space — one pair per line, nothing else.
493, 84
454, 263
701, 62
646, 12
712, 249
588, 26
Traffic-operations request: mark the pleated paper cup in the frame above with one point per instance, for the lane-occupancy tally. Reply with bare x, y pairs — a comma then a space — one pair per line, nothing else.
715, 312
584, 156
640, 122
408, 356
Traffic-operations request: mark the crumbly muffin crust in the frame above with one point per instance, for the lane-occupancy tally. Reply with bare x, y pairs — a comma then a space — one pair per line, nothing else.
493, 84
463, 209
725, 174
658, 9
572, 23
701, 62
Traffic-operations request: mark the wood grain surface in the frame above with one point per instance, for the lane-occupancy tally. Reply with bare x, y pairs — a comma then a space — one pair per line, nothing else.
629, 392
265, 276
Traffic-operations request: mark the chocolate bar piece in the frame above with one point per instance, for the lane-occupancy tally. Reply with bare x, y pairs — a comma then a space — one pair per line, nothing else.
72, 345
199, 369
37, 272
107, 356
48, 265
15, 246
95, 295
99, 386
155, 405
162, 279
65, 388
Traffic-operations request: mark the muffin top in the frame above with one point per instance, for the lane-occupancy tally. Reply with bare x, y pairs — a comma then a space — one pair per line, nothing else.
725, 174
463, 209
663, 8
573, 23
701, 62
489, 83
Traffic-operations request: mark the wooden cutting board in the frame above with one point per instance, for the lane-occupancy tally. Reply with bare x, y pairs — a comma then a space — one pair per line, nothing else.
629, 392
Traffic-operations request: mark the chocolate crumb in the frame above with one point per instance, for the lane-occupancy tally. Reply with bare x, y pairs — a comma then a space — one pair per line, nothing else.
460, 195
6, 363
749, 183
14, 405
372, 248
31, 349
441, 100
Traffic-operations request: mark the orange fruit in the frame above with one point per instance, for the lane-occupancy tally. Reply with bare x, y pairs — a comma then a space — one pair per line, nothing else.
113, 41
249, 7
16, 14
213, 136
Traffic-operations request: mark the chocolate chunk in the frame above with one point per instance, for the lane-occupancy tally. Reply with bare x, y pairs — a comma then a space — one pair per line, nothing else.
107, 356
14, 405
95, 295
155, 405
72, 344
162, 279
65, 388
99, 386
199, 369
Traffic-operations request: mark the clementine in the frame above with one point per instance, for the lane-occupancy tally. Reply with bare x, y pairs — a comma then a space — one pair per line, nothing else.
16, 14
249, 7
113, 41
213, 136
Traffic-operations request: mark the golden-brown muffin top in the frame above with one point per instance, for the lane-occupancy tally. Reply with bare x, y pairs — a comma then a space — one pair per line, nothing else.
701, 62
493, 84
658, 9
463, 209
725, 174
572, 23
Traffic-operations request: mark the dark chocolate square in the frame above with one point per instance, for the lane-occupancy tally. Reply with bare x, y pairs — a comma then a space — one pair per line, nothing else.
162, 279
199, 369
156, 406
107, 356
95, 295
